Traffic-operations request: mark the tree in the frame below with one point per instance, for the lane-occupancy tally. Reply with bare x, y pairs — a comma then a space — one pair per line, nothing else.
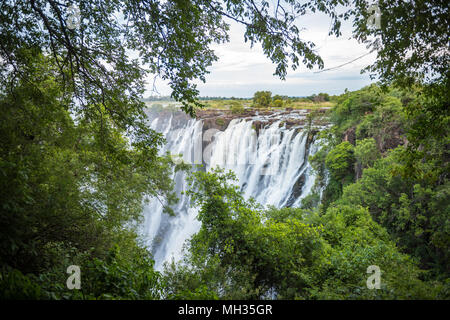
414, 211
262, 98
410, 205
418, 27
324, 96
172, 38
340, 160
278, 97
366, 152
421, 29
77, 156
73, 188
321, 97
277, 103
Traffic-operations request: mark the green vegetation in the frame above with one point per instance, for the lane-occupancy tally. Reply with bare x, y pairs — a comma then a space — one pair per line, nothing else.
300, 103
78, 160
321, 97
228, 103
236, 107
366, 152
370, 213
410, 202
220, 121
262, 99
73, 190
244, 252
277, 103
166, 106
339, 160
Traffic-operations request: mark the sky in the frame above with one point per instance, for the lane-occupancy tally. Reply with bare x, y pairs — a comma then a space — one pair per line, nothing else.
241, 70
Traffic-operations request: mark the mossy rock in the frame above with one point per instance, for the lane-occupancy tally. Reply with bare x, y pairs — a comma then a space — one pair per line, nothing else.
220, 122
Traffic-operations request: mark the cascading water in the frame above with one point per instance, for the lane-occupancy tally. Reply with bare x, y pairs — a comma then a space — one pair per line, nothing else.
268, 165
271, 166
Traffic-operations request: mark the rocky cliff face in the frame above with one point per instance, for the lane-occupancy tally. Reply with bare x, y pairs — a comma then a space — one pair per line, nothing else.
287, 119
267, 150
219, 119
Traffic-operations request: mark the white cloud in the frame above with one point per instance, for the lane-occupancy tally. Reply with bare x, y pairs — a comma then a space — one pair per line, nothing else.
241, 70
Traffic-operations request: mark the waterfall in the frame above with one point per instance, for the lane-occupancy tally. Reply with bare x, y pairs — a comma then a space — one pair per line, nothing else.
270, 164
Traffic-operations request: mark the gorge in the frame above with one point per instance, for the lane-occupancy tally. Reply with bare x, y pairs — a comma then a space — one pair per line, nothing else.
267, 150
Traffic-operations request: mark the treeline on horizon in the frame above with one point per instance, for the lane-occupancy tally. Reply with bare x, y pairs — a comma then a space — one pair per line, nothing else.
311, 98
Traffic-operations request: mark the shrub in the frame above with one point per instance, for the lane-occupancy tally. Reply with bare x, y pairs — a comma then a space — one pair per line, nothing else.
340, 160
366, 152
277, 103
236, 107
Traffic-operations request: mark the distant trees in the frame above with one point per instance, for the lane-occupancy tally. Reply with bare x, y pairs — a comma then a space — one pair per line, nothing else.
321, 97
278, 101
262, 99
278, 97
265, 99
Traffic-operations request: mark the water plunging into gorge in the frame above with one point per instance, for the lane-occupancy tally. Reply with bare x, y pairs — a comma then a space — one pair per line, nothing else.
268, 152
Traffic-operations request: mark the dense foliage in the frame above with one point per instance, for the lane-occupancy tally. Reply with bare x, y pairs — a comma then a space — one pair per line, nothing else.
72, 188
364, 211
412, 204
245, 252
262, 99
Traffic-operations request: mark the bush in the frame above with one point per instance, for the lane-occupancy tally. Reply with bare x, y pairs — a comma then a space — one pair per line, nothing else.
321, 97
16, 286
236, 107
340, 160
244, 252
277, 103
366, 152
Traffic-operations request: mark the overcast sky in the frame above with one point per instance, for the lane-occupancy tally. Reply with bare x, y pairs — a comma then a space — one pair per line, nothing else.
241, 70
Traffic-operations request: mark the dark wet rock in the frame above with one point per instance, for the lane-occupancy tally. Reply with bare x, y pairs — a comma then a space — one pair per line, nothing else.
257, 125
350, 135
296, 190
219, 123
311, 135
220, 119
391, 137
294, 122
